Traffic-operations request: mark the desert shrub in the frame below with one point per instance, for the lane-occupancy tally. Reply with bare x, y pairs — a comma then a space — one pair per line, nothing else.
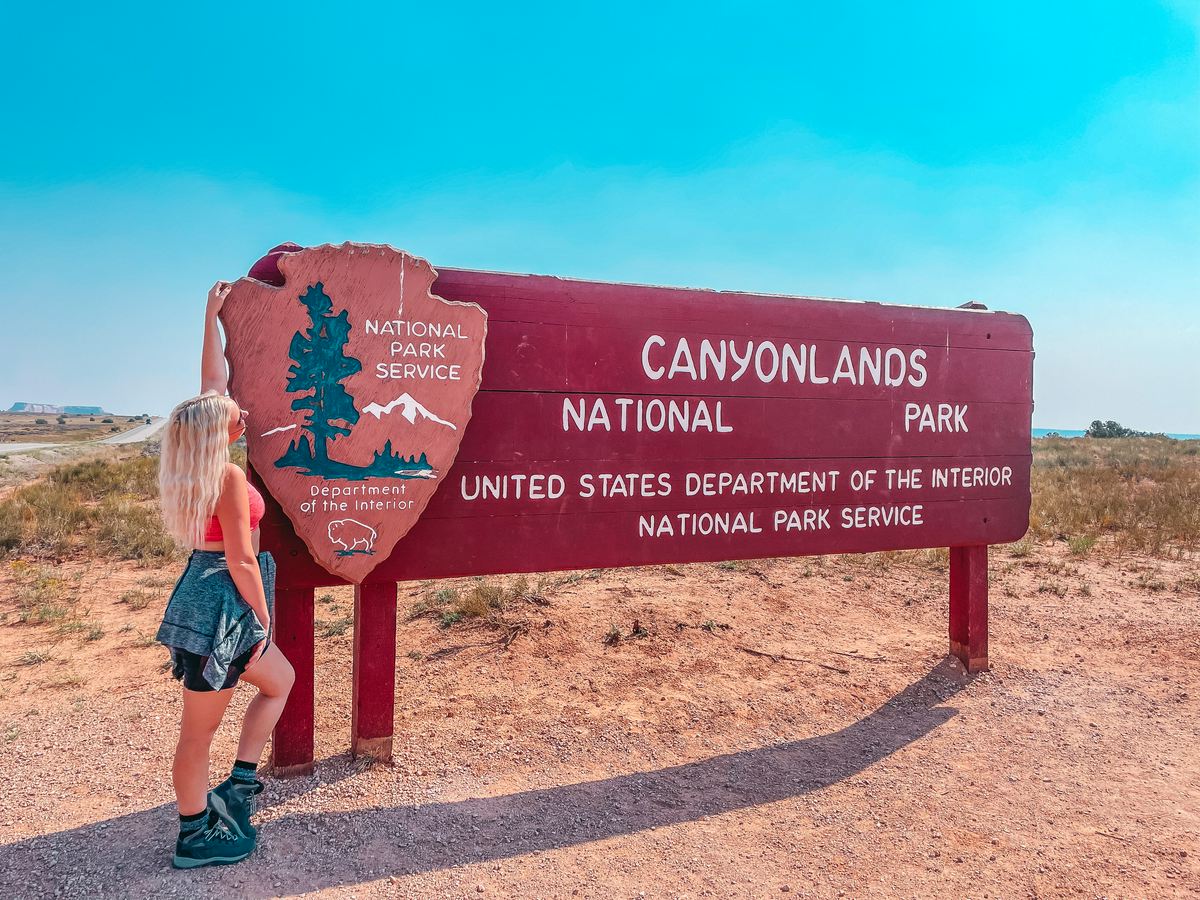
1111, 429
47, 518
1081, 544
481, 600
485, 597
96, 478
11, 530
101, 505
130, 530
137, 599
42, 596
337, 627
1021, 548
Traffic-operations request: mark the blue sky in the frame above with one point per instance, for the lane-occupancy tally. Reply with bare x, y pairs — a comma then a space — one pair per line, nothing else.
1042, 158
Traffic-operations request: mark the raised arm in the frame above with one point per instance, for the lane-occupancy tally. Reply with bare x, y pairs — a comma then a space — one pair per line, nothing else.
214, 374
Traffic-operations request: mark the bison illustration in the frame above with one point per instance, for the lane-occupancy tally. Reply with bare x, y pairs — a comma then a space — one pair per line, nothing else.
351, 536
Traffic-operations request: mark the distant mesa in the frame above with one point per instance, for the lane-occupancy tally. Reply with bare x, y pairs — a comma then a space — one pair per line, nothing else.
51, 409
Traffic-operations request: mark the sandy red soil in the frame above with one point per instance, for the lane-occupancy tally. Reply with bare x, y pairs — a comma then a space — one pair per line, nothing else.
670, 765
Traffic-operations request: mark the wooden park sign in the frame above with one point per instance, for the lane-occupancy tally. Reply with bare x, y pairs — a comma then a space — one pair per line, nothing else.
359, 390
611, 425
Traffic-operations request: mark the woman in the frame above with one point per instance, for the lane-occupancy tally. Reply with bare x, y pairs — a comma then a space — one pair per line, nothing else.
217, 623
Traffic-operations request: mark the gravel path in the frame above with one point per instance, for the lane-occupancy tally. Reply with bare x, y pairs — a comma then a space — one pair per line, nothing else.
134, 435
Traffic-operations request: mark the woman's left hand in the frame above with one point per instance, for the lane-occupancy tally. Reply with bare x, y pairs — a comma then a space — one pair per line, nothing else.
259, 649
217, 295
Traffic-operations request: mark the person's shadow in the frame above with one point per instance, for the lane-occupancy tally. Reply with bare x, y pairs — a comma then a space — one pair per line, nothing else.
130, 855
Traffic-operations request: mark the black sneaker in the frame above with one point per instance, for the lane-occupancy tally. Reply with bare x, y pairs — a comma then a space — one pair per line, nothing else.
212, 844
233, 802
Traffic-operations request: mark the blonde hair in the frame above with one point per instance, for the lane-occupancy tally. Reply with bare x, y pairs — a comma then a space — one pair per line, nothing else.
191, 467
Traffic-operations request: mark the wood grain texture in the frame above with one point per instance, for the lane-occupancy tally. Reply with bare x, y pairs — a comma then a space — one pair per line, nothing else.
373, 699
549, 299
569, 366
969, 606
556, 346
292, 740
446, 548
305, 360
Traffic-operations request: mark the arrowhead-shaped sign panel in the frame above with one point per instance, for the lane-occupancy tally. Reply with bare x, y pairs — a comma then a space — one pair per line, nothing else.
358, 384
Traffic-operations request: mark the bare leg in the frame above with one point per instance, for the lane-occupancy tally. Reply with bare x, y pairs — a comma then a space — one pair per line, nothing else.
202, 713
274, 676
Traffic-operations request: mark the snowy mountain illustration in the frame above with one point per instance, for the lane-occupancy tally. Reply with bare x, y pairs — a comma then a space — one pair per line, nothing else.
409, 409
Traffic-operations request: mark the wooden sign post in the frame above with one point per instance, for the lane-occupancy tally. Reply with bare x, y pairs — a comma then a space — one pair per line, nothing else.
618, 425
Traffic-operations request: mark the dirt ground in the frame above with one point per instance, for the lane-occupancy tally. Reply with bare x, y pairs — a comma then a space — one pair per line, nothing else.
674, 764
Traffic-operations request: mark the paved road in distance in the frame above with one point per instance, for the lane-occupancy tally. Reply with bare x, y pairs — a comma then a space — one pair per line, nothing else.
132, 436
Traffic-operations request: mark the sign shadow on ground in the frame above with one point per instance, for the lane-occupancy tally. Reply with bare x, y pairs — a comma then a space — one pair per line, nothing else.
364, 845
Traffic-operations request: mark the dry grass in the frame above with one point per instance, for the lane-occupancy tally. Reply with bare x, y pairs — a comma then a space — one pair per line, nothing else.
1142, 493
491, 604
480, 599
42, 597
337, 627
97, 479
137, 599
102, 506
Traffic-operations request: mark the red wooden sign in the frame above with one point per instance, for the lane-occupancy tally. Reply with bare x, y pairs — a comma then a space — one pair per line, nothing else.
626, 425
620, 424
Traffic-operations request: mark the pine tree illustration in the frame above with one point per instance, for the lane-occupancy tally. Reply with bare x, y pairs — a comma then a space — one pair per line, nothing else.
320, 365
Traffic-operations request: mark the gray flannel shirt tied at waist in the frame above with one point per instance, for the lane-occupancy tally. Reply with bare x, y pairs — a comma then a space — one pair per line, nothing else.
207, 616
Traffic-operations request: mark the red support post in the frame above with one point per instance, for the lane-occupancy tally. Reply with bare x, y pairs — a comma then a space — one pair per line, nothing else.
292, 743
969, 606
373, 703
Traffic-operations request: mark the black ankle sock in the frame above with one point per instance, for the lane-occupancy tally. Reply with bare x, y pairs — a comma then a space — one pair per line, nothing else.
192, 822
244, 771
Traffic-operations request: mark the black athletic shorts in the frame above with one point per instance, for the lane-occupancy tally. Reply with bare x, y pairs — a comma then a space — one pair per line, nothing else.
188, 667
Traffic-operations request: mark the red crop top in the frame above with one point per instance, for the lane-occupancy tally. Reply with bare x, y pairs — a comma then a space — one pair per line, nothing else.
257, 508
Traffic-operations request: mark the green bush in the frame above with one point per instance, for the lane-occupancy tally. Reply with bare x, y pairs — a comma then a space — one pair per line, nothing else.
1111, 429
